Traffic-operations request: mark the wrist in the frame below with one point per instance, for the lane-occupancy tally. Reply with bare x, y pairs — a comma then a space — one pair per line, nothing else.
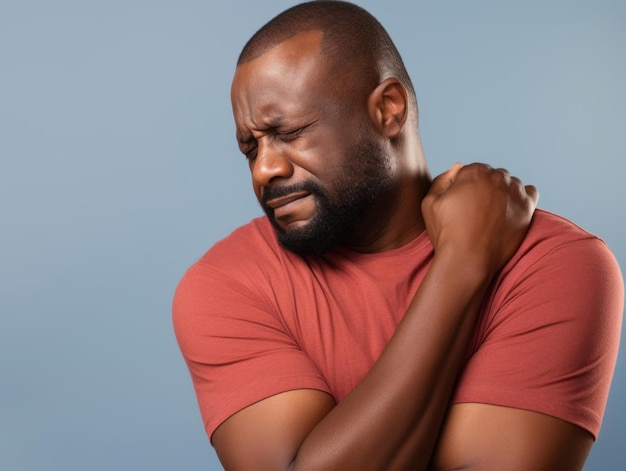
466, 266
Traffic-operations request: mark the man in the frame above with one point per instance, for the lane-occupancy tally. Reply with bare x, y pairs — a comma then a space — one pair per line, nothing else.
376, 319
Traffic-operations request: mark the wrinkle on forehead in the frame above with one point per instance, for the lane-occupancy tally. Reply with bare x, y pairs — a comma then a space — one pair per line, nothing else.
277, 83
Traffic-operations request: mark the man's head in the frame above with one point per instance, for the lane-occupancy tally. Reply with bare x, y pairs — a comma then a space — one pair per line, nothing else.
352, 38
321, 99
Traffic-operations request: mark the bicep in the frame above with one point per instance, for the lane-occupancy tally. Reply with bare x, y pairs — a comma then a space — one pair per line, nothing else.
268, 434
485, 437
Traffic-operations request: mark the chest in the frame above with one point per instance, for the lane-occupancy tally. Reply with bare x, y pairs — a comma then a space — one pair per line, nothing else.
342, 319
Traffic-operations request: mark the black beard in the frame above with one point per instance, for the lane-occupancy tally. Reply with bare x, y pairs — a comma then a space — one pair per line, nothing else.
366, 177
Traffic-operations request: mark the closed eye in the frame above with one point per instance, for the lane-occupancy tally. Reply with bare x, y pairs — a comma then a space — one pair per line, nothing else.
250, 153
248, 149
289, 135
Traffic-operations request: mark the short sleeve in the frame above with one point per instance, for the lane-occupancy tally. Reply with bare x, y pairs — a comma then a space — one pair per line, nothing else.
549, 340
235, 345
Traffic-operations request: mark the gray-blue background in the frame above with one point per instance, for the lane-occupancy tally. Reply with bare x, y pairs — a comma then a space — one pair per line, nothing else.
118, 168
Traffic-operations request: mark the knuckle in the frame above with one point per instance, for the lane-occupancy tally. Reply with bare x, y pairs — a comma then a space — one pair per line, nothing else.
481, 166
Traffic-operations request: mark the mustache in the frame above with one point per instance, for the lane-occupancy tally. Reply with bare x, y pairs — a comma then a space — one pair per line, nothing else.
272, 192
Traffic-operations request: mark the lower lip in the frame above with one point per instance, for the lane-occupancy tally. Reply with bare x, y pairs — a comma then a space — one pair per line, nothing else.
288, 212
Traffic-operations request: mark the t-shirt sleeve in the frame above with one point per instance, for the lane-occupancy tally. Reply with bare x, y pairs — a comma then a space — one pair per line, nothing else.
235, 346
550, 339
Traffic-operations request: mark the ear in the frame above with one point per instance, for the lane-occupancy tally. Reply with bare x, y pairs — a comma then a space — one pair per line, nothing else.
388, 107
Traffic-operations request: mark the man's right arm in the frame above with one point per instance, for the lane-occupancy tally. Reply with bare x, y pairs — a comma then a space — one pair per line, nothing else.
476, 220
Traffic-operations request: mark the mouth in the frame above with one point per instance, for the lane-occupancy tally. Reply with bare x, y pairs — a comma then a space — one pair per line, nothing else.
276, 203
293, 209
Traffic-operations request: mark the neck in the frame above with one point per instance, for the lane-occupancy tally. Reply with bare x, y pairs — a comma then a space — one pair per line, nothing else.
395, 220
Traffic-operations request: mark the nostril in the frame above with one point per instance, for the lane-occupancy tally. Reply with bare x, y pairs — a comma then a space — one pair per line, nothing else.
270, 166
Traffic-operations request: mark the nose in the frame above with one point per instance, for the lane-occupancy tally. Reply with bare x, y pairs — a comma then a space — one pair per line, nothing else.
269, 165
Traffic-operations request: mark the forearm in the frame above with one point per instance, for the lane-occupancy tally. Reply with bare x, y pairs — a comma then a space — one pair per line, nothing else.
391, 419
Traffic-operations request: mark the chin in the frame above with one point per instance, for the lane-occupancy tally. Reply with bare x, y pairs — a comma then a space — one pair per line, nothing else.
308, 239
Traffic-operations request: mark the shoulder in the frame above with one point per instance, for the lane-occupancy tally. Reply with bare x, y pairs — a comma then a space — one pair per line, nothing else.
246, 273
249, 252
557, 243
232, 270
555, 229
227, 260
559, 262
248, 242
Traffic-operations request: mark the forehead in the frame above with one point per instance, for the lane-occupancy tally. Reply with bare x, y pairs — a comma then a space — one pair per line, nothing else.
290, 74
290, 53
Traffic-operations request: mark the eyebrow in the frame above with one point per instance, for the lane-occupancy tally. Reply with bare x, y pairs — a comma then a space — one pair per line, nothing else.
275, 121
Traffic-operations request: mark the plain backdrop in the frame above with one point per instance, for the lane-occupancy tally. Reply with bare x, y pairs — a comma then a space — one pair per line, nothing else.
118, 169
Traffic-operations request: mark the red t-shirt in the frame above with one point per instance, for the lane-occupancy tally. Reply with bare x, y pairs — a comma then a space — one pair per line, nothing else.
254, 320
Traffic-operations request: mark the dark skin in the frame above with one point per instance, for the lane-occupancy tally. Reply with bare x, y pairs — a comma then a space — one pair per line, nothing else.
398, 418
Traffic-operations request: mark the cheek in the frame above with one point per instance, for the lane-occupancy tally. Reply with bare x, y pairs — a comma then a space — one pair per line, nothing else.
323, 161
